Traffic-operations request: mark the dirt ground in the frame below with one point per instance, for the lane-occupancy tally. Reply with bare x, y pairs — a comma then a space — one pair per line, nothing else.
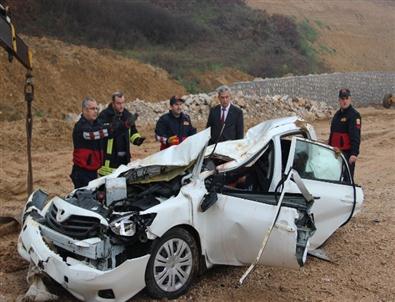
362, 252
65, 73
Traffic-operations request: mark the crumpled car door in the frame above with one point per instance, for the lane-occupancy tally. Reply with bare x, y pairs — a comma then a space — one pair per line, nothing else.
327, 177
235, 226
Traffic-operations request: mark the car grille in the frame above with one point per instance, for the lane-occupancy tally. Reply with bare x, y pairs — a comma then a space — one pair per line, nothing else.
76, 226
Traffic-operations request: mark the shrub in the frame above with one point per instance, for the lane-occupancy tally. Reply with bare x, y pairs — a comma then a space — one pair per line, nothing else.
181, 36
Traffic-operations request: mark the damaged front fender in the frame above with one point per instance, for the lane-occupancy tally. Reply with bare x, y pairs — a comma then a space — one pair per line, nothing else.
84, 282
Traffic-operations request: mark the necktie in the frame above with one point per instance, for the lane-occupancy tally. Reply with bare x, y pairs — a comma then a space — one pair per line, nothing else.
223, 115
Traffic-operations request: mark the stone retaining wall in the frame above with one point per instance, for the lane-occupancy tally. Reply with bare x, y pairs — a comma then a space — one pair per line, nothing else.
366, 87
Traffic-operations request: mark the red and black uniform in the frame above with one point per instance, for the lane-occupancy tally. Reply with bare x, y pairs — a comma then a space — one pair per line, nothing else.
88, 151
117, 145
168, 125
346, 132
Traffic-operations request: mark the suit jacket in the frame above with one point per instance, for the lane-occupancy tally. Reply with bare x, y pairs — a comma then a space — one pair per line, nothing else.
234, 124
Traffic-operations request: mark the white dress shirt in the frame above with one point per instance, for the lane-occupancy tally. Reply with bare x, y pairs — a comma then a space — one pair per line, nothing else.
225, 112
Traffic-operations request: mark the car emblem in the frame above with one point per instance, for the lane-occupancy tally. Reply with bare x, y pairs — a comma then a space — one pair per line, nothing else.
60, 215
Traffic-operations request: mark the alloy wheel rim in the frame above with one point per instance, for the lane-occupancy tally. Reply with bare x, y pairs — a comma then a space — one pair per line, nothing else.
173, 265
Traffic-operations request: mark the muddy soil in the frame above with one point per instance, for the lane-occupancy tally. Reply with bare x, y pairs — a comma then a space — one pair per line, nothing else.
362, 252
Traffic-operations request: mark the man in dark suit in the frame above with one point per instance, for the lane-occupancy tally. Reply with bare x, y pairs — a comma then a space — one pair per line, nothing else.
226, 116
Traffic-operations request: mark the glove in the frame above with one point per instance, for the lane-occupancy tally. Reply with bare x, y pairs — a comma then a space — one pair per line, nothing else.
173, 140
138, 141
130, 121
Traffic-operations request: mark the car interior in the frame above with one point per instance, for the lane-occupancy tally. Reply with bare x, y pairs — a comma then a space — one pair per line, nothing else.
254, 177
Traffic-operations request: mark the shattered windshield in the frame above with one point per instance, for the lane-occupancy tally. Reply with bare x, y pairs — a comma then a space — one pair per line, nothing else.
317, 162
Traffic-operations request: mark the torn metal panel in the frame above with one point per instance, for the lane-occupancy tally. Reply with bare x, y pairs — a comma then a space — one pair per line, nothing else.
182, 155
115, 189
320, 254
92, 248
151, 174
256, 138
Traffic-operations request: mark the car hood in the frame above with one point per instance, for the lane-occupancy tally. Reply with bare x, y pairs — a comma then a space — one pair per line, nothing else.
238, 152
174, 158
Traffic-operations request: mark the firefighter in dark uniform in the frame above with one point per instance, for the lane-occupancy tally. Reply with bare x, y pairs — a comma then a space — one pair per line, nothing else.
117, 145
88, 139
175, 126
346, 129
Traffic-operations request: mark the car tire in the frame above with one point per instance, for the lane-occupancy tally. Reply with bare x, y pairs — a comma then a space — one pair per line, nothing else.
173, 264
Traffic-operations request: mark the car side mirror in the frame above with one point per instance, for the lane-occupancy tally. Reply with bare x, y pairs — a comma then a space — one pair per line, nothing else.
208, 200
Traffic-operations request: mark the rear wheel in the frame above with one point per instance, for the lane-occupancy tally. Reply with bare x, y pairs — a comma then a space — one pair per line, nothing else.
172, 265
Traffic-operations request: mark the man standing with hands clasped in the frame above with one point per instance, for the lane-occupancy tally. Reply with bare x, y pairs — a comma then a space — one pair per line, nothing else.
225, 117
346, 129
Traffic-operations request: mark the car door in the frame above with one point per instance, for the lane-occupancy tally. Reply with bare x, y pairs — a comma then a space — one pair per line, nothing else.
326, 176
234, 227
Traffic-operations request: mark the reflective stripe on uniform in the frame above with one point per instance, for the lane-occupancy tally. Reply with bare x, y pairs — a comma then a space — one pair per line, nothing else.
105, 170
95, 135
134, 137
109, 145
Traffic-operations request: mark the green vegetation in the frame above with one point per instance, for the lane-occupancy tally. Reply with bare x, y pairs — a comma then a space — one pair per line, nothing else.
308, 36
39, 113
326, 49
183, 37
307, 31
320, 24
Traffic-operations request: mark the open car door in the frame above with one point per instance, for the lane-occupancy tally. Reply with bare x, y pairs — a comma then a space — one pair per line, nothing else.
326, 175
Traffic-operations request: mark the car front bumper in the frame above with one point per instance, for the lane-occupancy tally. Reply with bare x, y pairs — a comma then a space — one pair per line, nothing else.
83, 281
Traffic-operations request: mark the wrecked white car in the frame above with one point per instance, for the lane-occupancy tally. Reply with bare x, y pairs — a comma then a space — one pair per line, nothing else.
159, 221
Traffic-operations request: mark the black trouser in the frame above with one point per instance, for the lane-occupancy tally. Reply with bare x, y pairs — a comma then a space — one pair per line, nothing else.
347, 155
121, 160
118, 160
81, 177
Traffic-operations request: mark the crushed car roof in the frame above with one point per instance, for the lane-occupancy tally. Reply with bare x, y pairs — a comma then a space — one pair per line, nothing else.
237, 151
257, 138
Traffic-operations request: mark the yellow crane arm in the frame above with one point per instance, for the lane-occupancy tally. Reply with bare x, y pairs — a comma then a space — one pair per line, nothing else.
11, 42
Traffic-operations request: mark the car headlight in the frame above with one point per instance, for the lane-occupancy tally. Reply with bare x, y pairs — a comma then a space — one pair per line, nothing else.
124, 226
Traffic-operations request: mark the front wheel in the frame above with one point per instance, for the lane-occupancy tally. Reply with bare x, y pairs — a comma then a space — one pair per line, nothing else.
173, 264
